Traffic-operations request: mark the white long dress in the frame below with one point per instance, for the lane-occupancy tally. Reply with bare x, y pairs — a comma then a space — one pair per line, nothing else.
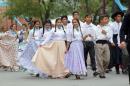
50, 57
34, 39
8, 49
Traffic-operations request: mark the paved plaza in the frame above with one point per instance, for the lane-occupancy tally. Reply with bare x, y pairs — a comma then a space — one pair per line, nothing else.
24, 79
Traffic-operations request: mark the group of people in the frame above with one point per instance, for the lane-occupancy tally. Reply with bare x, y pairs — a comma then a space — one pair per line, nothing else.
62, 50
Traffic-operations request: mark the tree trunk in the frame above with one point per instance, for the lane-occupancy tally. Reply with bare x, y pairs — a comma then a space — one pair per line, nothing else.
104, 5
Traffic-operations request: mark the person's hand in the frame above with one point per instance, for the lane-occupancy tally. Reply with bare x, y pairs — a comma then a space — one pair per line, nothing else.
104, 32
40, 45
85, 37
122, 45
66, 51
112, 44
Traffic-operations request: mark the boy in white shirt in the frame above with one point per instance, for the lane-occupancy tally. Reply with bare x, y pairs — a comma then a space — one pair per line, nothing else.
103, 35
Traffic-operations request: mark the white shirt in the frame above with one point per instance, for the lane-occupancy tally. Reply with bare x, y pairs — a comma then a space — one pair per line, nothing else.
65, 27
35, 34
46, 33
115, 26
58, 35
73, 34
89, 29
100, 35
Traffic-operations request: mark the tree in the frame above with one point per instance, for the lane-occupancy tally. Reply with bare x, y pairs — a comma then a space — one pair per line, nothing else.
23, 8
43, 9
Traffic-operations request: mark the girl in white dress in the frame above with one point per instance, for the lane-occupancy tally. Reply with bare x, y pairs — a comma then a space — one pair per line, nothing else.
9, 48
49, 58
34, 39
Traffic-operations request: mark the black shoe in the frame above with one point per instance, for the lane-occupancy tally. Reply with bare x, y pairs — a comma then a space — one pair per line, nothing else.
49, 76
86, 74
95, 74
77, 76
117, 72
117, 69
107, 71
67, 76
37, 75
124, 71
102, 76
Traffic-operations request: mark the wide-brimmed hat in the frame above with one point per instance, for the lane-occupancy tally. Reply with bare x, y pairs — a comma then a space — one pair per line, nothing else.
117, 13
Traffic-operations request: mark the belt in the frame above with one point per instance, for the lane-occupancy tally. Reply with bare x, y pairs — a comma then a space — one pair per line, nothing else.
115, 35
102, 42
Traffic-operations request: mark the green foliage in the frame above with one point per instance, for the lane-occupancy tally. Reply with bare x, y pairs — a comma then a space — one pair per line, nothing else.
55, 8
40, 8
24, 8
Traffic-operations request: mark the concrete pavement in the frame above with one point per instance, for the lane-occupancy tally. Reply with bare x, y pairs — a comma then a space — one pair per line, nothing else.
24, 79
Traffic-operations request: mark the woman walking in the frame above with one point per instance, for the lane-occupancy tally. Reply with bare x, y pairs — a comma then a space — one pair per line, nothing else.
74, 59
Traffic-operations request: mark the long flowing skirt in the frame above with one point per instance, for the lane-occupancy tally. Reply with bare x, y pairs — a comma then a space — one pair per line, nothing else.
8, 51
74, 58
50, 59
8, 55
26, 57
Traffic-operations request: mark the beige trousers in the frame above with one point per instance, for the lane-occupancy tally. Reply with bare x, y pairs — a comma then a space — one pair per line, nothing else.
102, 57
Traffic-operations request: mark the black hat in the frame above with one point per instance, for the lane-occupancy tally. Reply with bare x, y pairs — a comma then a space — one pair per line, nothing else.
117, 13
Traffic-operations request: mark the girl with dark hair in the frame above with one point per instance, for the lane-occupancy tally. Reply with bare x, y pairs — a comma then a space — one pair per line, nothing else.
46, 29
34, 39
49, 58
74, 58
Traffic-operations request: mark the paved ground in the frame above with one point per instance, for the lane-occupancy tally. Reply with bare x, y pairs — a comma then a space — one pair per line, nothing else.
24, 79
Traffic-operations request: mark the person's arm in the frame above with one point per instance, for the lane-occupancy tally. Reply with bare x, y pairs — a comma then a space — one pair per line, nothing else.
94, 33
85, 36
124, 30
30, 35
84, 32
69, 37
124, 27
109, 33
48, 38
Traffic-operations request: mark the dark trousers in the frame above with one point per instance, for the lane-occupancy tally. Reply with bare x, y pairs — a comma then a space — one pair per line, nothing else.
115, 58
116, 55
89, 48
128, 48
